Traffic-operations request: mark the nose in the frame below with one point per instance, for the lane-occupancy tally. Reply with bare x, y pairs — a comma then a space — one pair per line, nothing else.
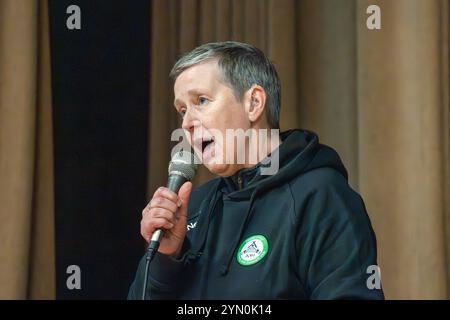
189, 121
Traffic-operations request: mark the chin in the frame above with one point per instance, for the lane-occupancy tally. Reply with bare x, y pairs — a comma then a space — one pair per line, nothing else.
222, 170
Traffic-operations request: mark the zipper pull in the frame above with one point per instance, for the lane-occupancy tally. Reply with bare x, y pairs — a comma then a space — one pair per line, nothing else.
239, 182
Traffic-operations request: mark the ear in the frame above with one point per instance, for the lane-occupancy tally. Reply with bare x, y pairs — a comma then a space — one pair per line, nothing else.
255, 103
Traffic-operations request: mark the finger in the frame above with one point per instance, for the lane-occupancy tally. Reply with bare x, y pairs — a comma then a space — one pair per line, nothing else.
163, 213
162, 223
184, 194
148, 226
166, 193
164, 203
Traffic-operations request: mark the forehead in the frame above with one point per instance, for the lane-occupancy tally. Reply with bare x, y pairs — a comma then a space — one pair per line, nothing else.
203, 75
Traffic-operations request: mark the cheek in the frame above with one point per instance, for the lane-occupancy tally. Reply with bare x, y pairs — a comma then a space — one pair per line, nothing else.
226, 114
235, 116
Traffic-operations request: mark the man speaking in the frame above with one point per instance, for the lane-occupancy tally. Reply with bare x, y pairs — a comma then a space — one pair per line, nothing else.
300, 232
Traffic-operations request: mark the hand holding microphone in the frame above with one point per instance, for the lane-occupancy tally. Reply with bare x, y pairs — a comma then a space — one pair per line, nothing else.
167, 211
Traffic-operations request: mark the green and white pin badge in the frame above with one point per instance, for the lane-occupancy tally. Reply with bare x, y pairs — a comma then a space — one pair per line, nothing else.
252, 250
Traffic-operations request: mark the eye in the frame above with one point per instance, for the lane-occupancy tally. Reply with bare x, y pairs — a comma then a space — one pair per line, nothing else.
202, 101
182, 112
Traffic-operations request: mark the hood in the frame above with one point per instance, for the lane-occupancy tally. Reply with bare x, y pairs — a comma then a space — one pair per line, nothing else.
299, 152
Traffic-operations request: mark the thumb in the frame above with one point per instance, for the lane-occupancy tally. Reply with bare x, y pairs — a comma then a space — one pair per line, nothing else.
183, 195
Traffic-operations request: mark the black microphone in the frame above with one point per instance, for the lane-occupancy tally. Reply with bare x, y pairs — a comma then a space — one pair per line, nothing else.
182, 168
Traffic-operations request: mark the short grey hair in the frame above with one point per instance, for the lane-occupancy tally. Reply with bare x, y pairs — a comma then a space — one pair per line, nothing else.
242, 66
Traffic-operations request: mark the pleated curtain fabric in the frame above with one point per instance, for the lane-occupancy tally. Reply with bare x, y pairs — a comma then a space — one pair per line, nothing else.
27, 268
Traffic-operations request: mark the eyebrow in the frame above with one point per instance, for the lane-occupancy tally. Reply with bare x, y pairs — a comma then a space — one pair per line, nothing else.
190, 92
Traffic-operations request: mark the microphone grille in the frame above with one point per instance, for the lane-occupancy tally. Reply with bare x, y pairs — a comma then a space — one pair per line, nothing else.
184, 163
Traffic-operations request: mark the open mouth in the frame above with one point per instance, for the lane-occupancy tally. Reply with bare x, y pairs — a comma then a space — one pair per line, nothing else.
206, 143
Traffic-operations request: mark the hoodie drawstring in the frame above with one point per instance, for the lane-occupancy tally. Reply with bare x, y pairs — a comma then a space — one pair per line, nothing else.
226, 265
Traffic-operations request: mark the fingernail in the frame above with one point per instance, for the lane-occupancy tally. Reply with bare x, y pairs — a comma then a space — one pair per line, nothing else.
179, 203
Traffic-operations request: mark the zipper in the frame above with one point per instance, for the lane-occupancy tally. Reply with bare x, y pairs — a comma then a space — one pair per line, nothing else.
229, 258
239, 180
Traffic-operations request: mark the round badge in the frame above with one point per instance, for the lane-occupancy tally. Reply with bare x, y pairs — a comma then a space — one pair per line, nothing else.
252, 250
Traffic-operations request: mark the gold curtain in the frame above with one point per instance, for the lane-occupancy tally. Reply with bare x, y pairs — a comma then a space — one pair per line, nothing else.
403, 131
26, 158
380, 97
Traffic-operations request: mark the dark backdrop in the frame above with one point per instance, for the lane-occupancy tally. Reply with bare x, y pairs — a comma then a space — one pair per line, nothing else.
100, 79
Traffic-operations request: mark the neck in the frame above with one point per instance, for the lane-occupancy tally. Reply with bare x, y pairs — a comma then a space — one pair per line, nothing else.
262, 143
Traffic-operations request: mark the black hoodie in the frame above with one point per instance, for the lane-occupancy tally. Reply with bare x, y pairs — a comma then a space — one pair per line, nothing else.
301, 233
